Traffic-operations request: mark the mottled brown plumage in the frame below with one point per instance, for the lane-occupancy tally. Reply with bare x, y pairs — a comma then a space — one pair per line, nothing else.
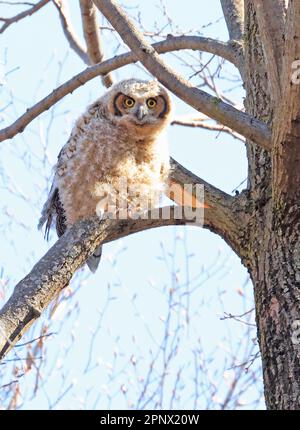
119, 138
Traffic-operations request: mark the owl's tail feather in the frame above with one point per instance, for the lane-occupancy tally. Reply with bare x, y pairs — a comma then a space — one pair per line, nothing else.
48, 212
94, 260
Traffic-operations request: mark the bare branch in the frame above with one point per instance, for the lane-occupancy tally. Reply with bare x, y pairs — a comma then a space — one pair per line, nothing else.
21, 15
18, 3
202, 123
171, 44
69, 31
244, 124
234, 16
271, 17
92, 36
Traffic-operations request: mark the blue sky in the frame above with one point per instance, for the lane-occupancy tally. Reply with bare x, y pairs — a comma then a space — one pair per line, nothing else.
137, 272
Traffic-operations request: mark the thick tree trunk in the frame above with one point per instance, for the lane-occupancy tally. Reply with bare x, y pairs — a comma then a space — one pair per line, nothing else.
275, 272
273, 254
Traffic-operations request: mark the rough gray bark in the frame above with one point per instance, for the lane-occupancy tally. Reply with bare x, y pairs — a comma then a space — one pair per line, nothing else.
234, 15
273, 256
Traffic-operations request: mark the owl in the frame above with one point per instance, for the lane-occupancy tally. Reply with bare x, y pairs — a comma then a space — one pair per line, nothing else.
116, 161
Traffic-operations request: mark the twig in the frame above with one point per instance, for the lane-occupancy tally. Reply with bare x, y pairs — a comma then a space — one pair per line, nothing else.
21, 15
34, 340
211, 127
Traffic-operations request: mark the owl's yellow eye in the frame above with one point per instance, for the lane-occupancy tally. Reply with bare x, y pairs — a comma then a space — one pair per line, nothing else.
151, 103
128, 102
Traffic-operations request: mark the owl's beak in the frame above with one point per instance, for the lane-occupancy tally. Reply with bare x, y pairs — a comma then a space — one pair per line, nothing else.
140, 113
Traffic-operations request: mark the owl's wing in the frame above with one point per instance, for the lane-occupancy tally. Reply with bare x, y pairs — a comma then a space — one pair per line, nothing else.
53, 208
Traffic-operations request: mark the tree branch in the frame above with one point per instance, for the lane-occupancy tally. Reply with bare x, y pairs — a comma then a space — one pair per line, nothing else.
234, 16
24, 14
92, 37
168, 45
271, 19
69, 31
247, 126
201, 123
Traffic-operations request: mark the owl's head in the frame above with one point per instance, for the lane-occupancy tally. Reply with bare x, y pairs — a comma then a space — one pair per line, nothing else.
143, 107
